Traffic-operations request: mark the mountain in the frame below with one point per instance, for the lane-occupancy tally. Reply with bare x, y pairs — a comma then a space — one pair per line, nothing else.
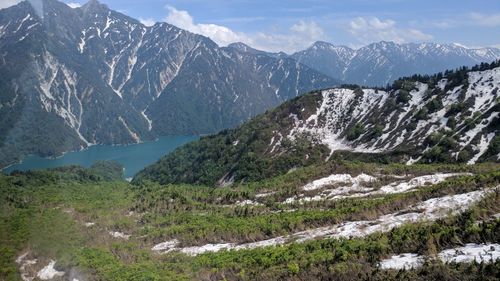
242, 47
381, 63
71, 78
219, 88
451, 117
53, 99
327, 58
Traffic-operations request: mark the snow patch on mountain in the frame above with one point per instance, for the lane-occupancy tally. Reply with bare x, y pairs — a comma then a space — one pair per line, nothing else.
165, 247
117, 234
429, 210
403, 261
349, 187
49, 272
150, 123
336, 179
480, 253
24, 265
337, 108
482, 147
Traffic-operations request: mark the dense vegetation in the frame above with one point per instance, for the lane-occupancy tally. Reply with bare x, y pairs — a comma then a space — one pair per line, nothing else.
44, 213
245, 149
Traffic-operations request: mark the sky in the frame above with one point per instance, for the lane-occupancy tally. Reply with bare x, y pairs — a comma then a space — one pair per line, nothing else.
295, 24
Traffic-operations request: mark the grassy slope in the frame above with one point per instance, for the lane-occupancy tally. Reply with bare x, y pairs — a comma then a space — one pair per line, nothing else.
45, 212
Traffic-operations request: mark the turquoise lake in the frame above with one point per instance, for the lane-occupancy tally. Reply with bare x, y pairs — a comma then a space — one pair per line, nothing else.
133, 157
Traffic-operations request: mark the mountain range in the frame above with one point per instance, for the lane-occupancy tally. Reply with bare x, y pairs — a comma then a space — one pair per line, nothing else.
379, 64
71, 78
74, 77
301, 176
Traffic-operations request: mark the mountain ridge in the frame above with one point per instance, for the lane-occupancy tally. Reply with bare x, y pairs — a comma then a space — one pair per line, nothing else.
380, 63
449, 117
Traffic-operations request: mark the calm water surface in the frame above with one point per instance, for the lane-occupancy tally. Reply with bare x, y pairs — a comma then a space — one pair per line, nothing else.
133, 157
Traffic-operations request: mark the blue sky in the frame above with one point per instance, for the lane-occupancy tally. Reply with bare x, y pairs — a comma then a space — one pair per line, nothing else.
294, 25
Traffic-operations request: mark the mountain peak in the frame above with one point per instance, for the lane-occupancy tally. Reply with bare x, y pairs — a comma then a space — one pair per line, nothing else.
240, 46
93, 2
385, 43
94, 5
321, 44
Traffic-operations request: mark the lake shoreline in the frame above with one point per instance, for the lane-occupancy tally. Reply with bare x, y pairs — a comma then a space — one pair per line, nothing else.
145, 151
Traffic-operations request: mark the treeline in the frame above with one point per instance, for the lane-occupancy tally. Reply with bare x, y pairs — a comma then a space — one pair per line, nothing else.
456, 76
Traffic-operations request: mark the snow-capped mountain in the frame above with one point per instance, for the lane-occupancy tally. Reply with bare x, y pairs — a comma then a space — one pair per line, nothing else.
327, 58
380, 63
451, 117
70, 78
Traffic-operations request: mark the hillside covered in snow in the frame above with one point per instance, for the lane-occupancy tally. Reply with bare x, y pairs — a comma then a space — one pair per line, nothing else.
449, 117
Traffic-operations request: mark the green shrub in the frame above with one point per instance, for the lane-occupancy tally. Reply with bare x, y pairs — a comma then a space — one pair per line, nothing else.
355, 132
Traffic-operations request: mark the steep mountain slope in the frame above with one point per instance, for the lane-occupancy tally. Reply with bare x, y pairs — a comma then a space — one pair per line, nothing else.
76, 77
220, 88
52, 98
380, 63
450, 118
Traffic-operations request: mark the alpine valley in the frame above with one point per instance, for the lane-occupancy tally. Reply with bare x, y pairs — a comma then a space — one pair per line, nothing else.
319, 165
75, 77
70, 78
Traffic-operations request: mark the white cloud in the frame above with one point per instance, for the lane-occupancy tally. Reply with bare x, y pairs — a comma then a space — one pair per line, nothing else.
299, 36
74, 5
492, 20
308, 30
220, 34
8, 3
367, 30
147, 22
470, 19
